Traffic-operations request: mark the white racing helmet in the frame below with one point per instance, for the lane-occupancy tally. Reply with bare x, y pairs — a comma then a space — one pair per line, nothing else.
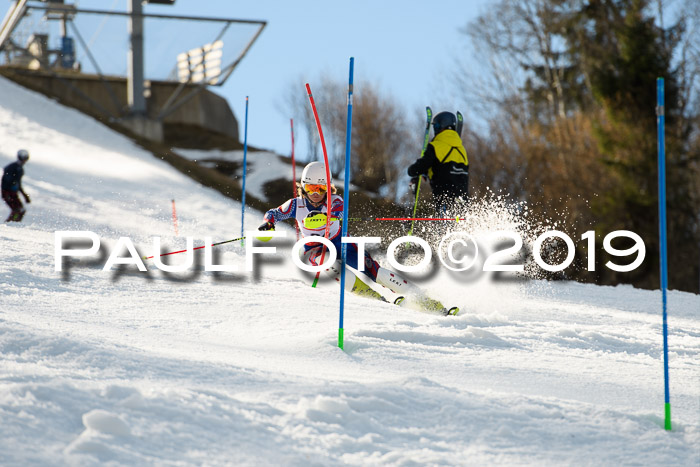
314, 174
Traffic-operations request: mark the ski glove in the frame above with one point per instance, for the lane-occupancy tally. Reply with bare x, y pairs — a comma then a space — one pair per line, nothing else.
413, 185
267, 225
26, 198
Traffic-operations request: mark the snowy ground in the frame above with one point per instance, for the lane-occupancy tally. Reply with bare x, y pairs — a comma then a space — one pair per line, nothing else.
122, 367
260, 166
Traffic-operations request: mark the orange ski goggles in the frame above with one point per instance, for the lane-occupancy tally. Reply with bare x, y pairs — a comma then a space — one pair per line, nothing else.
317, 188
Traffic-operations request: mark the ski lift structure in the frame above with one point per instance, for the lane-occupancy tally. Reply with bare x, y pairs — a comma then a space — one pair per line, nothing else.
195, 69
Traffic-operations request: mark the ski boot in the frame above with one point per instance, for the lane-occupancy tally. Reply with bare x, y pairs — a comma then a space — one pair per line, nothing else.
364, 290
434, 306
451, 311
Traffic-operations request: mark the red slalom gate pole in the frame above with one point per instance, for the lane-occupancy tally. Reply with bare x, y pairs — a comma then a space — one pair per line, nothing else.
175, 219
328, 177
294, 172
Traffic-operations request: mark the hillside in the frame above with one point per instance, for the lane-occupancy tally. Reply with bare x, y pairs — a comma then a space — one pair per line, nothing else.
123, 367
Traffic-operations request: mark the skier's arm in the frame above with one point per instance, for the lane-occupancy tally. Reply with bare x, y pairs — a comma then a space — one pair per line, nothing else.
286, 211
337, 209
421, 166
18, 173
24, 193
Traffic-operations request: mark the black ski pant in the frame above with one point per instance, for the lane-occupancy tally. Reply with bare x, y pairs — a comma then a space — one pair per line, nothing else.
13, 201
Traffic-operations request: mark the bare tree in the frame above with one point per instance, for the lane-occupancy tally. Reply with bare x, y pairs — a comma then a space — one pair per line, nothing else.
515, 43
380, 139
567, 87
380, 144
296, 104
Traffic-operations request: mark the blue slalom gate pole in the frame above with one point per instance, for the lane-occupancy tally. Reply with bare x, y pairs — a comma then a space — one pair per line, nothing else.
245, 156
346, 202
660, 124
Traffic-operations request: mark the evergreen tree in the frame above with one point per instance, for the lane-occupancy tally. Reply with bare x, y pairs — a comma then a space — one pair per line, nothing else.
621, 52
575, 121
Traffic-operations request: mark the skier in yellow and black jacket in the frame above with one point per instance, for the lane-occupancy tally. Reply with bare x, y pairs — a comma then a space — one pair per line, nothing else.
445, 164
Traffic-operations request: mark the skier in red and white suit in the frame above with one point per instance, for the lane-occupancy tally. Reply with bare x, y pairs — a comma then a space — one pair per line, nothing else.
311, 203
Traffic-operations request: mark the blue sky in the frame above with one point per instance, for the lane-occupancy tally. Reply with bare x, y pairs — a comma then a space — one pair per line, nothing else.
405, 46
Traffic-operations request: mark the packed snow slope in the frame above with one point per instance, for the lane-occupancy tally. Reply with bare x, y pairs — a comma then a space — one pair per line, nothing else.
122, 367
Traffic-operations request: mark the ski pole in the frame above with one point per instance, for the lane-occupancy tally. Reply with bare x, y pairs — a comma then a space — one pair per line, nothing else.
428, 119
197, 248
313, 223
456, 219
